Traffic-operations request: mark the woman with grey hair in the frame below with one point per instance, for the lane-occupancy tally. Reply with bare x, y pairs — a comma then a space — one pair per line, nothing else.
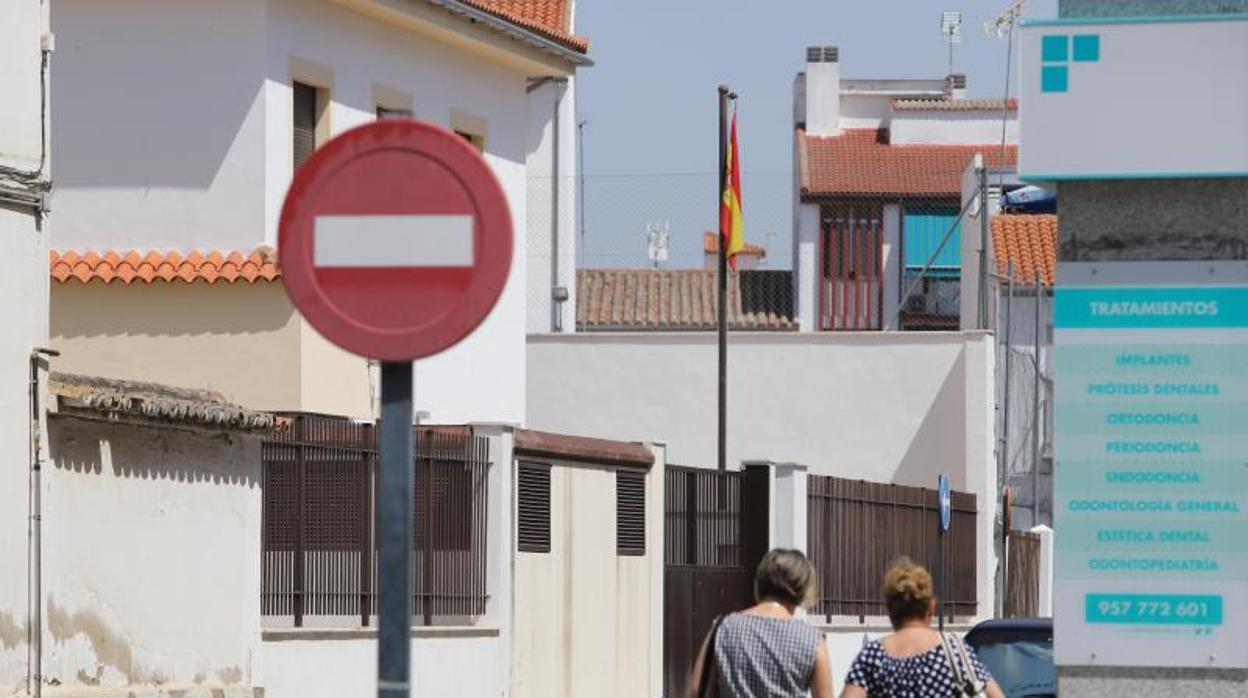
765, 651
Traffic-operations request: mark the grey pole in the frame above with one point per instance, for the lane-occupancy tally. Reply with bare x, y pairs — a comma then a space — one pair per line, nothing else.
725, 94
1003, 468
1035, 418
394, 532
983, 247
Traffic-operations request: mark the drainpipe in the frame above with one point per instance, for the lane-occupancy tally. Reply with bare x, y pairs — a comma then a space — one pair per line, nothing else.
34, 600
558, 293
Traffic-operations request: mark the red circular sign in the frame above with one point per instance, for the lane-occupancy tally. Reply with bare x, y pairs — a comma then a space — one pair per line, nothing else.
395, 240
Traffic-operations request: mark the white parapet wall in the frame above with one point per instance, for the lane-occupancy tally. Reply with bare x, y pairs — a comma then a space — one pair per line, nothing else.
891, 407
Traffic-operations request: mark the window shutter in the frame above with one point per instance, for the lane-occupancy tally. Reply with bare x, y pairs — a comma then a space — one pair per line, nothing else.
630, 513
533, 507
304, 122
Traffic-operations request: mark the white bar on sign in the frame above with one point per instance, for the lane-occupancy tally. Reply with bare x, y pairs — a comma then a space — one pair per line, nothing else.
392, 241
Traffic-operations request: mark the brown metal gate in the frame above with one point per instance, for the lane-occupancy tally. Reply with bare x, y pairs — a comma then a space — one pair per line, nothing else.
1022, 575
715, 533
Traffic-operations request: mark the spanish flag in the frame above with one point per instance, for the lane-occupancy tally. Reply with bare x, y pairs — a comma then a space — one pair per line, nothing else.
731, 222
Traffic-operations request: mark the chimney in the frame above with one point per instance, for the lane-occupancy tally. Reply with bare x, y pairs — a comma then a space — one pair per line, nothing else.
955, 86
823, 91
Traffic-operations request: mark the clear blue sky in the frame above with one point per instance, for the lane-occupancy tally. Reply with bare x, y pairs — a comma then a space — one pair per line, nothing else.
650, 103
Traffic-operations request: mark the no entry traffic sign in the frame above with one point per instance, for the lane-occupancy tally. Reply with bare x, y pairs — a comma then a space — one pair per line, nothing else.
395, 240
395, 243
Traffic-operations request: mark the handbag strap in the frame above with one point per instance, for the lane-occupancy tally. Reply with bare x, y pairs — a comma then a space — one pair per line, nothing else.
954, 665
964, 675
708, 662
972, 677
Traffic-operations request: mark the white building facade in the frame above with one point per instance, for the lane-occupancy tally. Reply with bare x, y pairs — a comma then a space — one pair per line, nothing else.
24, 174
877, 184
182, 128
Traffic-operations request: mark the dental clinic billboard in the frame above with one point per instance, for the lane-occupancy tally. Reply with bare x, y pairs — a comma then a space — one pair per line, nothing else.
1134, 97
1151, 479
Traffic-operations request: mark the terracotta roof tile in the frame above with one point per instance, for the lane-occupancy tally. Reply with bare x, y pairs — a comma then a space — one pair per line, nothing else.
861, 162
710, 245
548, 18
954, 105
665, 299
133, 266
1029, 243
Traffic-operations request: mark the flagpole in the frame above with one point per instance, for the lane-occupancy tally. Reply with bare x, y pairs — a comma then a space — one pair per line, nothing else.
725, 94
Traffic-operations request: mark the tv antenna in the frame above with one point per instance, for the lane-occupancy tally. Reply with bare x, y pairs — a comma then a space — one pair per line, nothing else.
951, 29
658, 236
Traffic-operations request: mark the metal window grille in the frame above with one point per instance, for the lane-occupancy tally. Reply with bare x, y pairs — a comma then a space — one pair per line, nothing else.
630, 513
856, 529
533, 507
319, 550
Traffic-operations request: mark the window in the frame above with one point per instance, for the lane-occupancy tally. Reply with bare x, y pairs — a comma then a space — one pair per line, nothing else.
925, 228
630, 513
533, 507
477, 142
309, 125
388, 113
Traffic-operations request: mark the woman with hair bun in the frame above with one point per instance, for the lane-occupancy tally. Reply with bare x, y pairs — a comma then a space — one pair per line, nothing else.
915, 660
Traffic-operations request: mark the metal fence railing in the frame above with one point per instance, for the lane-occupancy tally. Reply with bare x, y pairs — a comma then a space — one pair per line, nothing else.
319, 556
856, 529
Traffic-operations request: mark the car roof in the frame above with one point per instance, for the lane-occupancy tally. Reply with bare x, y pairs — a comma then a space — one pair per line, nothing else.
1006, 629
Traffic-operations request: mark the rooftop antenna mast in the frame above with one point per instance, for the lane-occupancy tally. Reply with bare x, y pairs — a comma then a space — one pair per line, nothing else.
1003, 28
658, 236
951, 29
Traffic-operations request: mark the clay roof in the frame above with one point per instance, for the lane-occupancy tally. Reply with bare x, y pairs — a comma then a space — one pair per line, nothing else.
132, 266
1029, 242
861, 162
996, 105
710, 245
548, 18
664, 299
114, 399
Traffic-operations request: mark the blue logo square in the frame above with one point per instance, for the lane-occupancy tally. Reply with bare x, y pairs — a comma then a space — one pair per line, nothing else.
1087, 48
1055, 48
1054, 78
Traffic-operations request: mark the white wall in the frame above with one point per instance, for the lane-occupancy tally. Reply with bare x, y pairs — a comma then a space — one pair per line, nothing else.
583, 621
24, 317
167, 593
940, 127
196, 105
890, 407
159, 119
332, 664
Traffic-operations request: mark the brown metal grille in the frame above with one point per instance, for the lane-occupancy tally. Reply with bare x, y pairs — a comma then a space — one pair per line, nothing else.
533, 507
856, 529
319, 496
630, 513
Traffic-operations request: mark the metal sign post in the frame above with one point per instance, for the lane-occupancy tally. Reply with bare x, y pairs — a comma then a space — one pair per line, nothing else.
944, 498
395, 243
395, 494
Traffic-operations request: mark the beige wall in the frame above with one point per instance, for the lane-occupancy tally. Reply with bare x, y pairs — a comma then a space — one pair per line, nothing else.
243, 340
583, 614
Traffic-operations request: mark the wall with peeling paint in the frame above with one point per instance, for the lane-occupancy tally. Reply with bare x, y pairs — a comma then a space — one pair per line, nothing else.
151, 556
23, 315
